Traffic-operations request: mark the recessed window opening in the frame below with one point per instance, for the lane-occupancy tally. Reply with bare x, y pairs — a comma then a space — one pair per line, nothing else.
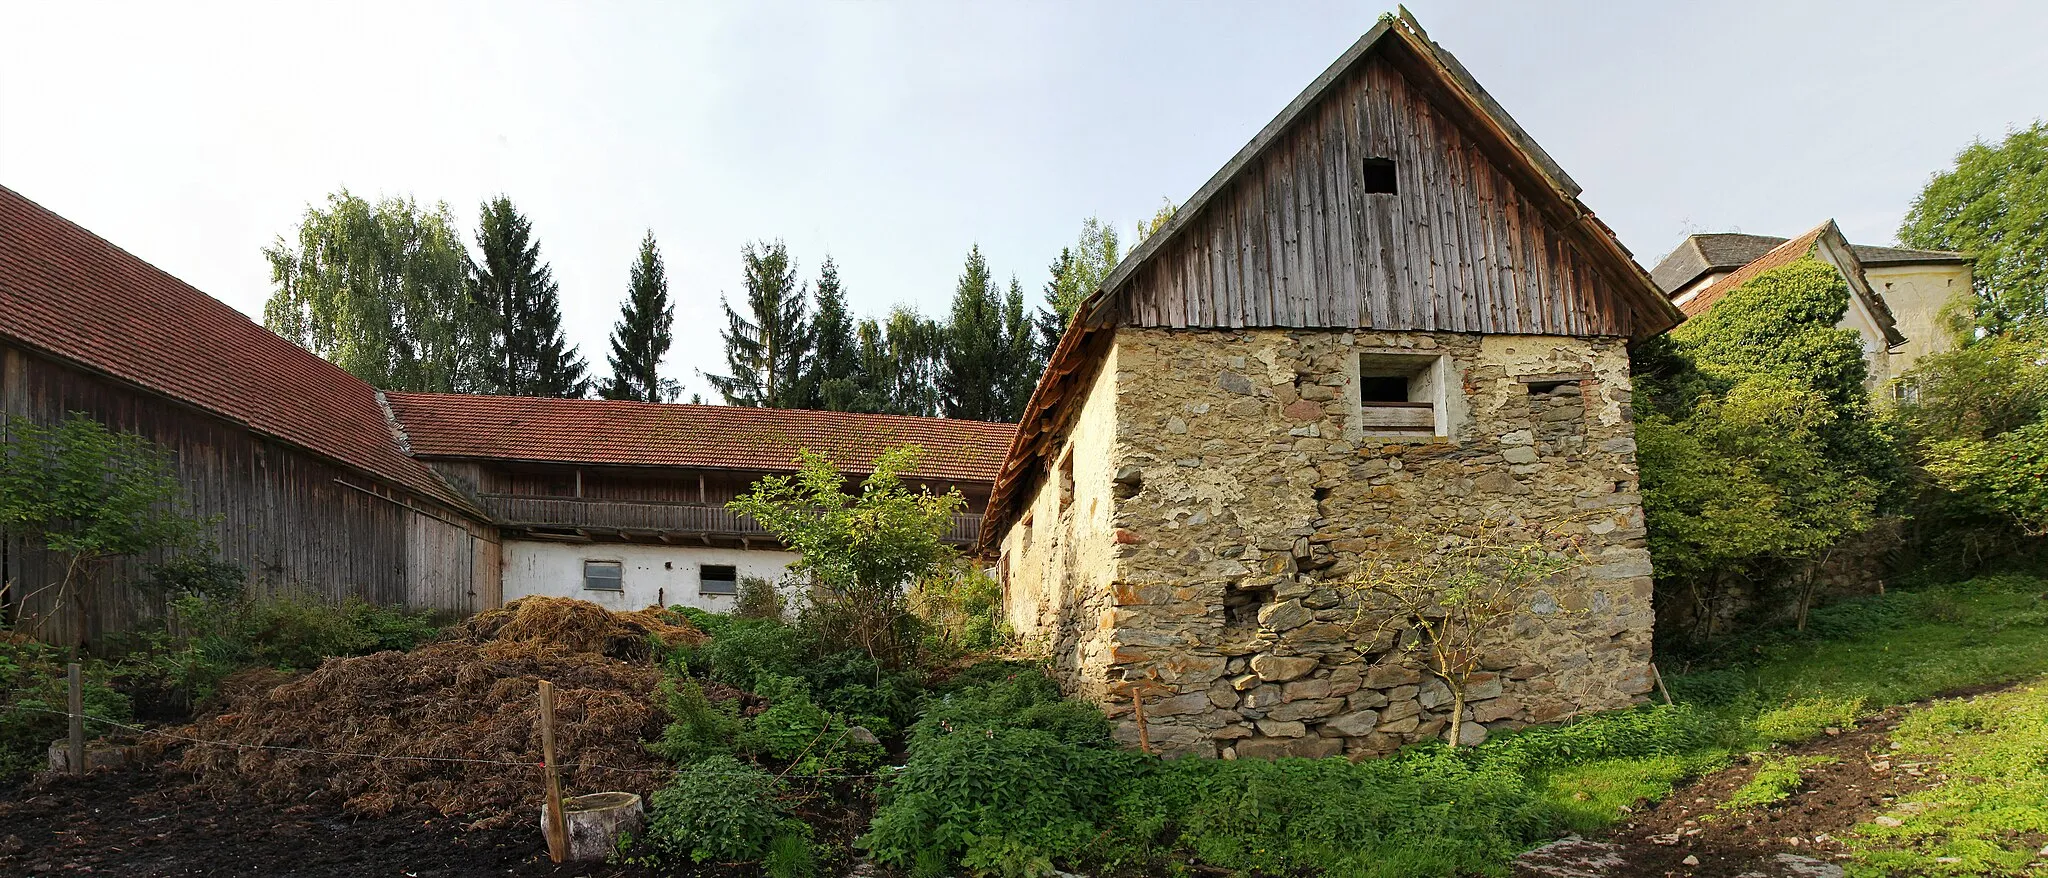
1547, 388
1379, 177
1024, 541
718, 579
1067, 479
604, 576
1398, 394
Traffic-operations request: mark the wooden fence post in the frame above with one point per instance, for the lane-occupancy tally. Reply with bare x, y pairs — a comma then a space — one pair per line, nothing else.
558, 837
76, 685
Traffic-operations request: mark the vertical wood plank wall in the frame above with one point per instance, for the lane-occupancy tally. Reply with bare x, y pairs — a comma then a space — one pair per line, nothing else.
1295, 241
296, 521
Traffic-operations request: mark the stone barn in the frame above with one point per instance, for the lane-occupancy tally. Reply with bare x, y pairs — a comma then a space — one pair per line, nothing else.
1388, 311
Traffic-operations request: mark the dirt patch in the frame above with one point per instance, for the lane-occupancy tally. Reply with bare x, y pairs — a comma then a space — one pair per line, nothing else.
145, 824
577, 626
1864, 778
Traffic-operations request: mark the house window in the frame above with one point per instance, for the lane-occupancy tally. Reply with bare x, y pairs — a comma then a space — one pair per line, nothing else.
604, 576
1379, 177
1024, 538
718, 579
1401, 394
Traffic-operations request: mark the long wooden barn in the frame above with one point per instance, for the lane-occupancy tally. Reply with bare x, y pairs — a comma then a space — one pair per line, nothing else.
320, 483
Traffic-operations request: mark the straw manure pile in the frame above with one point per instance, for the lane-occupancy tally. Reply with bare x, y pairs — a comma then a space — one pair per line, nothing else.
470, 697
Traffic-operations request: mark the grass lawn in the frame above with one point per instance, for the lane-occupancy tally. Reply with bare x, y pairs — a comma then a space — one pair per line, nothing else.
1859, 656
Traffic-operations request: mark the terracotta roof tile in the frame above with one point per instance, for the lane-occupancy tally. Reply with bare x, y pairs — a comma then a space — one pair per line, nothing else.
72, 294
607, 432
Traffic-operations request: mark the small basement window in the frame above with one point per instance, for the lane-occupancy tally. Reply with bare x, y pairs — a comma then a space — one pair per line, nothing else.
718, 579
1379, 177
1401, 394
604, 576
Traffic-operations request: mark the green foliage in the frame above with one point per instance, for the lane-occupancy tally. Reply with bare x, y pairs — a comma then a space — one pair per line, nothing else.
1977, 390
962, 608
757, 599
381, 291
217, 635
719, 810
1008, 801
1775, 780
768, 343
743, 651
1079, 271
1757, 444
1988, 817
989, 360
697, 729
33, 702
1023, 701
851, 683
899, 363
525, 352
89, 492
835, 379
641, 337
794, 729
2007, 474
1993, 205
861, 551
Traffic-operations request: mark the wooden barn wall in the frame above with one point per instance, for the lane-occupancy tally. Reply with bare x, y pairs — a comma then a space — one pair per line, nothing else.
295, 520
1295, 241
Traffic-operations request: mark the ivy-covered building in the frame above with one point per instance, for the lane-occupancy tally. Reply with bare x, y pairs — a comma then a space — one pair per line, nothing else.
1896, 294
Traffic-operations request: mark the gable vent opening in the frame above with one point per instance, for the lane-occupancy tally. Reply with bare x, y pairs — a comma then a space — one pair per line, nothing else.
1379, 177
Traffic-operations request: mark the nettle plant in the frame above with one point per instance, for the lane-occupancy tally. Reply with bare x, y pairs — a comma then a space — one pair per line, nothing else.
1440, 597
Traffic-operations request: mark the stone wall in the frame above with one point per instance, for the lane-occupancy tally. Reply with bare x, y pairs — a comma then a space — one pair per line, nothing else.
1245, 488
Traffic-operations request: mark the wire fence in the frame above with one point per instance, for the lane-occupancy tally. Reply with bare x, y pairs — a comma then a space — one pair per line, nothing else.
390, 757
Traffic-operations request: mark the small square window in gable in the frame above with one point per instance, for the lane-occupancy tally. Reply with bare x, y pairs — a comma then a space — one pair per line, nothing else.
1377, 177
1402, 394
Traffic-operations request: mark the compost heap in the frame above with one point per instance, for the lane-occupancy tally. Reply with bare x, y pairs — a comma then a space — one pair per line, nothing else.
472, 696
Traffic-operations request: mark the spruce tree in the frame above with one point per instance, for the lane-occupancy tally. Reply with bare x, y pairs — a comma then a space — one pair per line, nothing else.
641, 337
527, 353
832, 379
988, 352
1078, 272
1020, 353
1052, 319
766, 348
900, 363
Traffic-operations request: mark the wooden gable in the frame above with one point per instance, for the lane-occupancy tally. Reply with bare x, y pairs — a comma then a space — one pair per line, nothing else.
1478, 236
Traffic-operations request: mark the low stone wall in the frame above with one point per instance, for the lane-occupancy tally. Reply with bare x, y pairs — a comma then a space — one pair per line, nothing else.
1248, 491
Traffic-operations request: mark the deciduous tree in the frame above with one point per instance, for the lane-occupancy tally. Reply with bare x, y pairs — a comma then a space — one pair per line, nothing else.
379, 290
1994, 205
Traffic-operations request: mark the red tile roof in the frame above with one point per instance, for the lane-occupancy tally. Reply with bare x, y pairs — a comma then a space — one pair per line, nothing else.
67, 292
1778, 257
606, 432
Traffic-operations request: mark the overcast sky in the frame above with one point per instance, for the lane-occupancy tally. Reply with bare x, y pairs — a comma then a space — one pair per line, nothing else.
893, 136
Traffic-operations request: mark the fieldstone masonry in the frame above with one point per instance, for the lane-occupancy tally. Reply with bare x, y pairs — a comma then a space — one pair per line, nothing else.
1245, 490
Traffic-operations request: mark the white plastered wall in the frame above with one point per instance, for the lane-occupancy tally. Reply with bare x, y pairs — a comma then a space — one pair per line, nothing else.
652, 575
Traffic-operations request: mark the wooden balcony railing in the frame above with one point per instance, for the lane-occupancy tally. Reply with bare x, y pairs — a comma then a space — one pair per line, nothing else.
644, 517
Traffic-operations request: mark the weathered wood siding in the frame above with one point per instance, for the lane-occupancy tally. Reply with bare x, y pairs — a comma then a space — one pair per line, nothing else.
1295, 241
295, 520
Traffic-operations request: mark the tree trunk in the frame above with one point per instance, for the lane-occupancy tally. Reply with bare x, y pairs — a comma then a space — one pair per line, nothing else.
595, 823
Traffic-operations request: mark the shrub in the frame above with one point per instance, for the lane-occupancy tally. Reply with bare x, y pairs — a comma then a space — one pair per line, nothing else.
852, 683
742, 651
1660, 730
794, 729
33, 677
719, 810
1005, 801
1025, 701
212, 636
757, 599
697, 729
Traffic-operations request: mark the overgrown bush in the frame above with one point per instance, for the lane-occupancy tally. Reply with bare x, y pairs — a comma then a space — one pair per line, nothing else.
209, 636
794, 729
852, 683
33, 714
720, 810
962, 608
758, 598
742, 651
697, 729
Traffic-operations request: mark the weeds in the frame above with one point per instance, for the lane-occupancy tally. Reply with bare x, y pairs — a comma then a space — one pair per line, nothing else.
1776, 779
